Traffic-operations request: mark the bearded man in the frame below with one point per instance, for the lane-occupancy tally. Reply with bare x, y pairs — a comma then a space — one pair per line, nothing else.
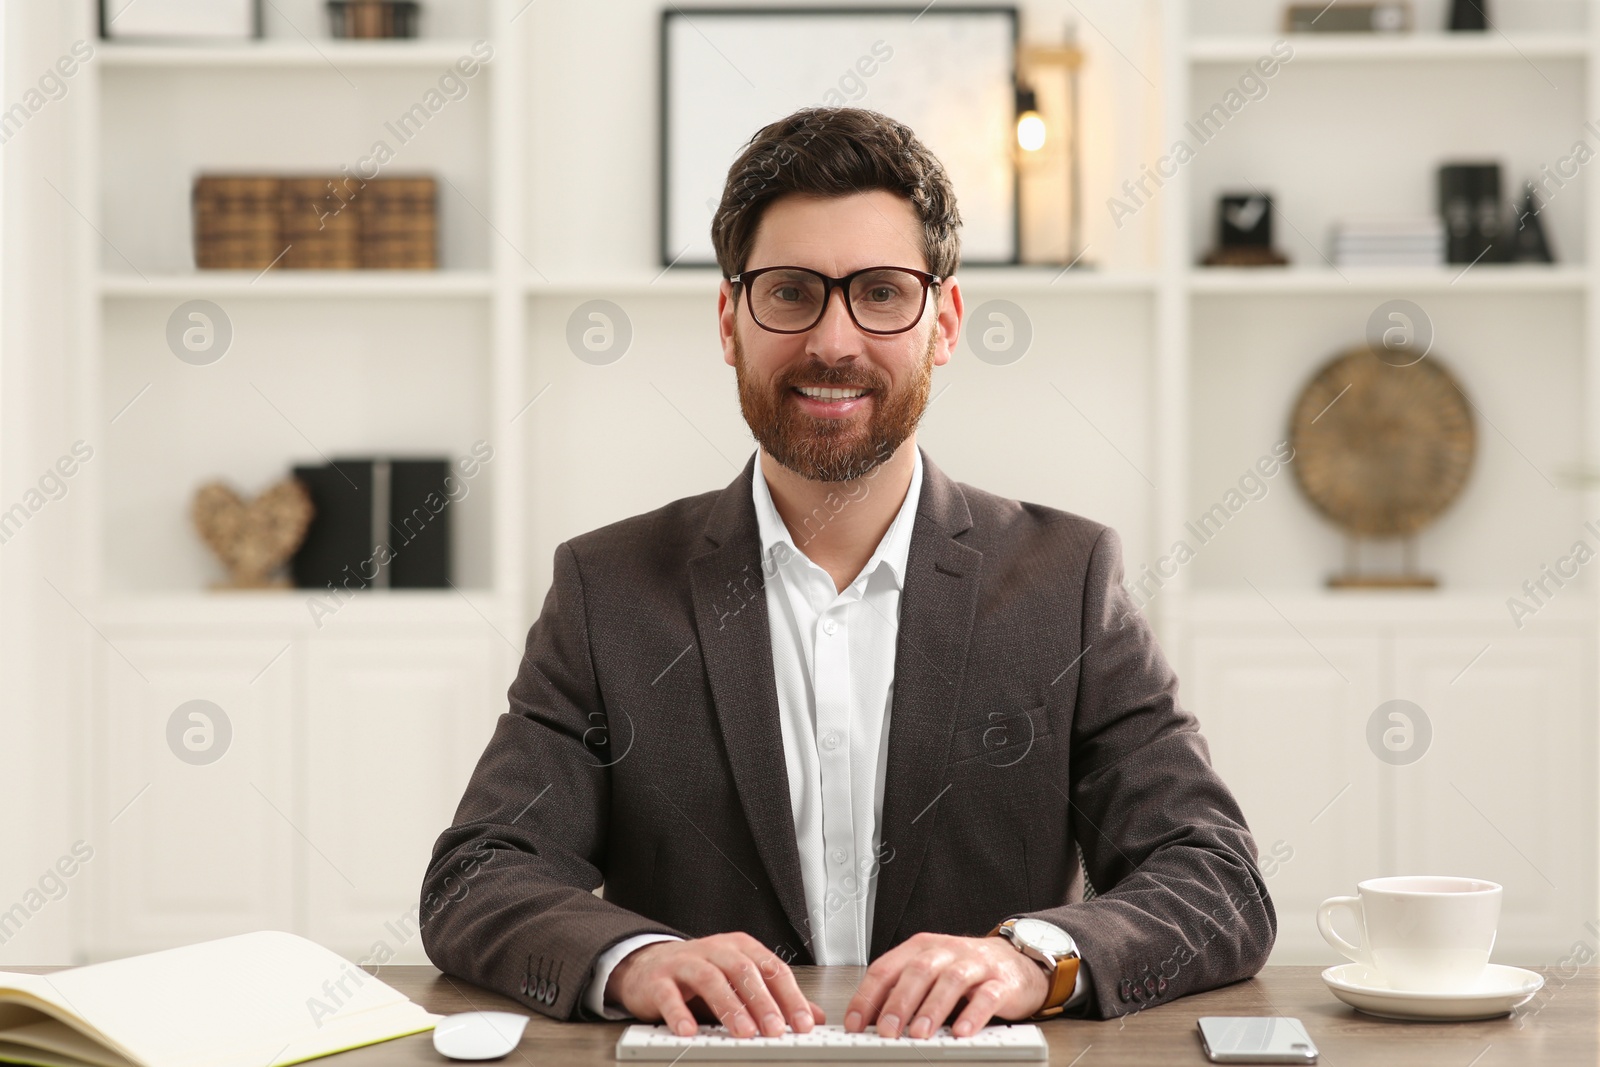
845, 710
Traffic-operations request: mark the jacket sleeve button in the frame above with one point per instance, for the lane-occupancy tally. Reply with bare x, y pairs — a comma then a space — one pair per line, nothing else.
1125, 989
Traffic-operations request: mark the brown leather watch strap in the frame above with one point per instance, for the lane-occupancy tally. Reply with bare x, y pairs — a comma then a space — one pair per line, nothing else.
1066, 978
1062, 983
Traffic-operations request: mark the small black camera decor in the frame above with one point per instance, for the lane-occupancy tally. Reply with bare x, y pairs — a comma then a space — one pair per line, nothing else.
1244, 232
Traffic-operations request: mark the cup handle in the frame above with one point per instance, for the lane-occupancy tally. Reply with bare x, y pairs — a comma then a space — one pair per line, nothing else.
1357, 953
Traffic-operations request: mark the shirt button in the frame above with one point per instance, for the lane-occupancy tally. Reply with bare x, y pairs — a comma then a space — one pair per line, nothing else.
838, 855
829, 627
830, 741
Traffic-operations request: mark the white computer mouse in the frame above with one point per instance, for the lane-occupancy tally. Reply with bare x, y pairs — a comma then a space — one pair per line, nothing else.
478, 1035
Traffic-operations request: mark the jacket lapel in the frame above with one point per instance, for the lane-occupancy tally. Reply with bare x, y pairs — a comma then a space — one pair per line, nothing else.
937, 608
731, 616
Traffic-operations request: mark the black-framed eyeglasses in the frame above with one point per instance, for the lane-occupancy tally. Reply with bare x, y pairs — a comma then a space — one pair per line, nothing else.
880, 300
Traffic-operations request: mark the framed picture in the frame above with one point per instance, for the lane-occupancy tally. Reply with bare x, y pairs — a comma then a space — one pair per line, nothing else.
949, 73
172, 20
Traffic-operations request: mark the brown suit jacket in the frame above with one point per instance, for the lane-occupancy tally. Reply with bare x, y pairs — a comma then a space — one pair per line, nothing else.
1033, 716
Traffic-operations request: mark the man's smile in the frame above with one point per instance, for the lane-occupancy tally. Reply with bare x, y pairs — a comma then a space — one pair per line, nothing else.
830, 402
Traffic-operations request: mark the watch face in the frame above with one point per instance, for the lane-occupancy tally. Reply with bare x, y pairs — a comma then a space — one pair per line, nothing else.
1044, 936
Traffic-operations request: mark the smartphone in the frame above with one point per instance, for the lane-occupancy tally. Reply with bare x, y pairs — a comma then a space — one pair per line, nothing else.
1256, 1039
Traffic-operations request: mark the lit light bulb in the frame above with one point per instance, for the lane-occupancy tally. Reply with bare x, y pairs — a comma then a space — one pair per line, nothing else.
1030, 131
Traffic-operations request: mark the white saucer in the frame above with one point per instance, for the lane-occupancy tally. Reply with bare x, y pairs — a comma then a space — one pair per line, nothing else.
1498, 992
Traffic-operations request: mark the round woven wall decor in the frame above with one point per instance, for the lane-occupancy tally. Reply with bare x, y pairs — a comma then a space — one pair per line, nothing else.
1379, 449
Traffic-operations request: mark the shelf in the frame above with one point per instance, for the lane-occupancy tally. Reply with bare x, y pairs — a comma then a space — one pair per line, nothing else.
700, 280
1049, 279
300, 283
286, 53
1509, 278
1372, 47
289, 608
1466, 607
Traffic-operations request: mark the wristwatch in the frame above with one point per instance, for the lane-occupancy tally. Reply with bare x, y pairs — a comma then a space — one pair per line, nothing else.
1054, 949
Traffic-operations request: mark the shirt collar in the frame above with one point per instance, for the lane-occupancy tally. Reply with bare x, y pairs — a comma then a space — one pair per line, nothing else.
891, 551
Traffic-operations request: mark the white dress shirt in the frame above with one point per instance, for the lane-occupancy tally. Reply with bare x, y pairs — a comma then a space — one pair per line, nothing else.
833, 656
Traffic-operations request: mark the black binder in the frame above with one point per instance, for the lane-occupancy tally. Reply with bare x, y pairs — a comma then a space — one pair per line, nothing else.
338, 547
380, 524
1469, 200
419, 524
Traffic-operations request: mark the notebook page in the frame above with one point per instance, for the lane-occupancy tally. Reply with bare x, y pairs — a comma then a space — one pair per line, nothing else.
29, 1005
236, 1002
50, 1036
10, 1053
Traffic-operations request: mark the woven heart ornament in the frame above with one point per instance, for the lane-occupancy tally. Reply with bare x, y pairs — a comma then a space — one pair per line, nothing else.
253, 539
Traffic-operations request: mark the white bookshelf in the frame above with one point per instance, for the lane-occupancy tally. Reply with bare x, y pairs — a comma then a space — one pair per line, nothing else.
1283, 672
322, 363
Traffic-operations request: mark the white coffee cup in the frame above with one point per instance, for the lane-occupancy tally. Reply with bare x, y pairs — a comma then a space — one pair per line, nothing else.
1424, 933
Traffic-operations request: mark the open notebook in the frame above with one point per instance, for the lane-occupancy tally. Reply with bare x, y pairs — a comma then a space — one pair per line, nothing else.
255, 1000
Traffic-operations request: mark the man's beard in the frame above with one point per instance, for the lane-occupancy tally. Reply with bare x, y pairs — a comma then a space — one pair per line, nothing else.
832, 450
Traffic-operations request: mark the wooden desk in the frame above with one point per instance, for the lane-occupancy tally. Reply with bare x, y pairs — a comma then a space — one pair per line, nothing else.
1560, 1025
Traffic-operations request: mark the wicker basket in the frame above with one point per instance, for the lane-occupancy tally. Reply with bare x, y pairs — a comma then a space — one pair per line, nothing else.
372, 19
315, 222
320, 223
399, 224
236, 222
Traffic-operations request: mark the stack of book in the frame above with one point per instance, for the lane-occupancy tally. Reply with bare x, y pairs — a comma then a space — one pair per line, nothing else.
340, 222
1389, 242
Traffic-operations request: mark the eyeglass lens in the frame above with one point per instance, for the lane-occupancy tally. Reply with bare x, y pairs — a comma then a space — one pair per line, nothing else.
884, 300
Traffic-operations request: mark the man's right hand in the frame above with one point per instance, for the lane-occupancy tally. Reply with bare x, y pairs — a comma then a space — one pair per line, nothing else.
732, 978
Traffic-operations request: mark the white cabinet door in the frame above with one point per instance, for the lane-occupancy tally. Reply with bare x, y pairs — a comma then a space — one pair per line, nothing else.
1285, 717
1506, 790
394, 727
190, 821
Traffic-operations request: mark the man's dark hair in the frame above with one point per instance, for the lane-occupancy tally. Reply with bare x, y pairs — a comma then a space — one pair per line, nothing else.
836, 151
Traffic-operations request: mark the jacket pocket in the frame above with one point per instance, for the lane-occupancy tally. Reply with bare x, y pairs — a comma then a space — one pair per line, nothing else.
1004, 740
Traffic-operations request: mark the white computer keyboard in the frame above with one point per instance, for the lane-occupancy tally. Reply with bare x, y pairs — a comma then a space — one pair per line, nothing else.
1023, 1041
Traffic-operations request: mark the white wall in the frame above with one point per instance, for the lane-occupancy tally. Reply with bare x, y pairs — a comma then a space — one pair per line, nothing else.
593, 169
44, 642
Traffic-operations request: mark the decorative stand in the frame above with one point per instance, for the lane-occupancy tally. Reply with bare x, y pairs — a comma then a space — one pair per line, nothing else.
1381, 450
1408, 578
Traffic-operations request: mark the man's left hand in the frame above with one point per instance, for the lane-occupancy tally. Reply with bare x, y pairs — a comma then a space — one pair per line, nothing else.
921, 980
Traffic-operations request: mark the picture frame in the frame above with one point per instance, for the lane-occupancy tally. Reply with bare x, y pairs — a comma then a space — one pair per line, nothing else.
947, 72
180, 20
